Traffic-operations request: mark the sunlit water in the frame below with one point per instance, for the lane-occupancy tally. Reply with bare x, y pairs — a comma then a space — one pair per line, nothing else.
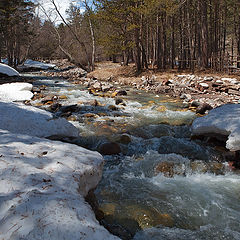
195, 198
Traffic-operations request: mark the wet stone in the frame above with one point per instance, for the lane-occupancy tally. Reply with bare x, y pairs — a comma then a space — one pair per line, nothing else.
70, 108
203, 108
161, 109
167, 168
124, 139
72, 118
110, 148
48, 98
94, 103
118, 101
122, 93
55, 107
112, 108
63, 97
90, 115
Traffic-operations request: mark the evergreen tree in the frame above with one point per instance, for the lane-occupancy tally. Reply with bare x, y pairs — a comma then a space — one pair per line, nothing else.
15, 18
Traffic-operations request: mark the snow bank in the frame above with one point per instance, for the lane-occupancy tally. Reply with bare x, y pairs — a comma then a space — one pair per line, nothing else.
30, 64
223, 120
19, 118
42, 185
6, 70
15, 92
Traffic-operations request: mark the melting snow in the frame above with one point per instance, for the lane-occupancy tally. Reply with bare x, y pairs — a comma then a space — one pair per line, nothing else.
223, 120
5, 69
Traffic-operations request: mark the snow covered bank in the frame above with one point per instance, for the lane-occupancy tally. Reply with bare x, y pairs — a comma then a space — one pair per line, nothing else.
30, 64
6, 70
224, 121
42, 188
43, 182
19, 118
15, 92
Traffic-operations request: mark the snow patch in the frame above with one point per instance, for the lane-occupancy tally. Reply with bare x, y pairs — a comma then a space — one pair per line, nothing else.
15, 92
30, 64
19, 118
6, 70
42, 185
223, 120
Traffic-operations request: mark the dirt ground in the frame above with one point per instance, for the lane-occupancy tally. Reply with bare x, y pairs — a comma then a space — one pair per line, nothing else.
127, 74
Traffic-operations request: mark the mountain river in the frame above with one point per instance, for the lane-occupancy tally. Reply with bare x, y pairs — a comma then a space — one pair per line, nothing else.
162, 185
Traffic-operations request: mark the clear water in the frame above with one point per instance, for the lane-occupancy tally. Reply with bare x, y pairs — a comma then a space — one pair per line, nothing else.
192, 196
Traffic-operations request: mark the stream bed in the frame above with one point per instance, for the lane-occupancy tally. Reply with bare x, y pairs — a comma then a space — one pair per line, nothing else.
162, 185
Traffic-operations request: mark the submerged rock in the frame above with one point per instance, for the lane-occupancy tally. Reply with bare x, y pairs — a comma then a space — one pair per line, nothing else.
202, 108
118, 101
161, 109
109, 148
167, 168
94, 103
124, 139
70, 108
112, 108
122, 93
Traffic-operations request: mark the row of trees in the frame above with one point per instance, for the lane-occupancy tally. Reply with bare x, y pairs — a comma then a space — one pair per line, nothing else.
15, 29
152, 33
166, 33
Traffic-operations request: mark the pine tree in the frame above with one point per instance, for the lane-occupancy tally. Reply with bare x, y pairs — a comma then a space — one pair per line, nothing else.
15, 17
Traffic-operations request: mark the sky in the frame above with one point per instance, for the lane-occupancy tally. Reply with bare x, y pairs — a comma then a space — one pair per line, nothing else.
62, 5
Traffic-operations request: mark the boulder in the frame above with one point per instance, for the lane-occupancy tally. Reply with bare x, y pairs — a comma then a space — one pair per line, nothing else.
110, 148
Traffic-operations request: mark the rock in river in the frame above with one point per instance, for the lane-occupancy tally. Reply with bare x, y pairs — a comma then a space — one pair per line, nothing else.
111, 148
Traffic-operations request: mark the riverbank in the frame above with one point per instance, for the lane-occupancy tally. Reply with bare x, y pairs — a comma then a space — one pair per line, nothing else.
201, 88
43, 182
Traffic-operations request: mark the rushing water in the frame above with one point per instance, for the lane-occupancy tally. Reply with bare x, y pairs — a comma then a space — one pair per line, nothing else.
162, 185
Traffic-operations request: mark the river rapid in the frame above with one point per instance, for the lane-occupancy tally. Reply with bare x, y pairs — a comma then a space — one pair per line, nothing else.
162, 185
